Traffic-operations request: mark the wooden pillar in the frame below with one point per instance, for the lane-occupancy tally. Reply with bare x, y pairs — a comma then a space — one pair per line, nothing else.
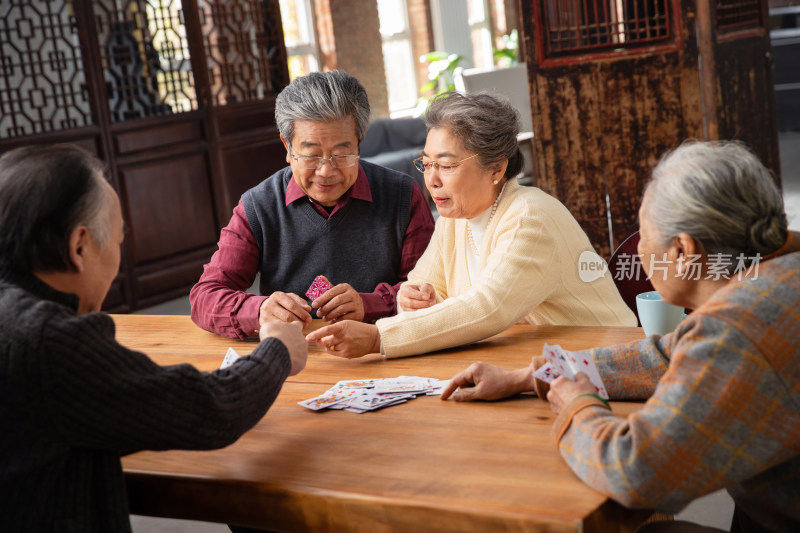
616, 83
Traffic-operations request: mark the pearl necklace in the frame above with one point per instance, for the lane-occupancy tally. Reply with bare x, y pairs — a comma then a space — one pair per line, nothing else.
470, 239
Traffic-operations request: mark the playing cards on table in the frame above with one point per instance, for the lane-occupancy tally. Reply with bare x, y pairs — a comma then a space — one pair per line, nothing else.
362, 395
560, 362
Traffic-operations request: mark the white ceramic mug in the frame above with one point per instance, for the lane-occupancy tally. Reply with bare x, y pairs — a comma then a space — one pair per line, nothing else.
657, 316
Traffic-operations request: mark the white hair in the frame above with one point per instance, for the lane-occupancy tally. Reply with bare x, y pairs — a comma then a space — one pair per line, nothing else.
95, 211
322, 97
720, 194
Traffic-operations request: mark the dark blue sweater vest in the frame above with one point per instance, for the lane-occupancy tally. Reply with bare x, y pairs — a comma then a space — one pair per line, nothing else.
361, 244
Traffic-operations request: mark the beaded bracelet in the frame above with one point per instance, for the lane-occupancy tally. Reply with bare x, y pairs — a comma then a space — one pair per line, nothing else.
593, 396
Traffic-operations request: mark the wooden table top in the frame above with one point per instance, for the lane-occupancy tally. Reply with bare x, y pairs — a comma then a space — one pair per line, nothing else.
425, 465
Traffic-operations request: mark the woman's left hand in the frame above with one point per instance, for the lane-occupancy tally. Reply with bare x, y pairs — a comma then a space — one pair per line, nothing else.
564, 390
411, 297
348, 339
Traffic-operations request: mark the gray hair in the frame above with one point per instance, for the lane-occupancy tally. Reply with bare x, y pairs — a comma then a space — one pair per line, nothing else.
322, 97
94, 211
720, 194
485, 123
46, 191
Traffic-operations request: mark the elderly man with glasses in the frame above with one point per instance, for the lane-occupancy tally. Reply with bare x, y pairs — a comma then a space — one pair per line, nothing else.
360, 225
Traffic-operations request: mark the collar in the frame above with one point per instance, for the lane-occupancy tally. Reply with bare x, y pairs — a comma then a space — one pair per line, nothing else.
792, 244
30, 283
360, 190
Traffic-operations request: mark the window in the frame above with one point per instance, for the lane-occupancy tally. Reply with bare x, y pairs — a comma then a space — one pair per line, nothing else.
480, 33
298, 34
738, 14
398, 58
604, 25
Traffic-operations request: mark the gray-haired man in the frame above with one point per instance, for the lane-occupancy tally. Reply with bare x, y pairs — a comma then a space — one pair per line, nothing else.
361, 225
73, 399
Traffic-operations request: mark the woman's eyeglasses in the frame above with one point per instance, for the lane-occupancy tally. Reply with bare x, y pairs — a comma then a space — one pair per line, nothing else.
444, 168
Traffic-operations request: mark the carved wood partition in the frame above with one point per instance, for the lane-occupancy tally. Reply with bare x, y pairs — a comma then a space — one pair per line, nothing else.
176, 96
615, 83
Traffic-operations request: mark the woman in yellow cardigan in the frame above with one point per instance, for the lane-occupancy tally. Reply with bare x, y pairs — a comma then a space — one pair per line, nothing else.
500, 254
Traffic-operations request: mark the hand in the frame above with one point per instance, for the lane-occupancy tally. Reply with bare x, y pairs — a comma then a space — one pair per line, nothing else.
564, 390
290, 334
284, 307
482, 381
341, 302
348, 339
411, 296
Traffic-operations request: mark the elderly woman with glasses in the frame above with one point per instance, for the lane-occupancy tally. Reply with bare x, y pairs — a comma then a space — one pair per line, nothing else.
500, 254
360, 225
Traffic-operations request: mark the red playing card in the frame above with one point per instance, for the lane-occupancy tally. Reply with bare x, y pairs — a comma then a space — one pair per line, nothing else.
318, 287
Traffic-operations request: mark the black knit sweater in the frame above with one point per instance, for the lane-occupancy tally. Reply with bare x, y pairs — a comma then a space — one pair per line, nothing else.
72, 400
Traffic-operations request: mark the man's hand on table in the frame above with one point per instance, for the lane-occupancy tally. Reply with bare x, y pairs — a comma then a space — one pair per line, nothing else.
341, 302
411, 297
348, 339
564, 390
482, 381
284, 307
290, 334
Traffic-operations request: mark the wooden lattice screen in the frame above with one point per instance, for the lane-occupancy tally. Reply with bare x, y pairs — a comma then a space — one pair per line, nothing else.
589, 25
616, 83
42, 79
175, 96
240, 67
738, 14
146, 59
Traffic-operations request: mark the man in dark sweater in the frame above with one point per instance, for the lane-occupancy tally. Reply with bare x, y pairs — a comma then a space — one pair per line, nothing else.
361, 225
72, 399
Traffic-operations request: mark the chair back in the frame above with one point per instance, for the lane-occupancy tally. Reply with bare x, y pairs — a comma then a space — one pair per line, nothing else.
626, 270
511, 82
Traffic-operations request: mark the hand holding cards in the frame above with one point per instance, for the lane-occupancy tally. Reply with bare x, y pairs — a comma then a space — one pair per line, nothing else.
230, 357
560, 362
318, 287
360, 396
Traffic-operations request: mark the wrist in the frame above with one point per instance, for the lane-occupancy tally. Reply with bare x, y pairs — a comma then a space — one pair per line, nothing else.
376, 340
523, 380
592, 395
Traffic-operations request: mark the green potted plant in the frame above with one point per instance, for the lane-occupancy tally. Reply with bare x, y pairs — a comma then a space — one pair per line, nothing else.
441, 67
508, 53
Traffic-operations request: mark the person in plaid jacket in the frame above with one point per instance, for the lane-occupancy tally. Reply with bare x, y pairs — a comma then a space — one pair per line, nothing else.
723, 389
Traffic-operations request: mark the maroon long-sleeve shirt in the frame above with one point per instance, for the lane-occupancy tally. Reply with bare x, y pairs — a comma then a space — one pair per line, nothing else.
219, 300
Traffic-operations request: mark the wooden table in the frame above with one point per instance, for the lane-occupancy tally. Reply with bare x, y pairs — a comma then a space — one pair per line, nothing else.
425, 465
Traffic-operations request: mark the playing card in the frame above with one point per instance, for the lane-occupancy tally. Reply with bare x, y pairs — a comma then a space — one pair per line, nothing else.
586, 364
371, 402
401, 385
438, 387
230, 357
565, 363
545, 373
357, 384
554, 355
331, 397
362, 395
318, 287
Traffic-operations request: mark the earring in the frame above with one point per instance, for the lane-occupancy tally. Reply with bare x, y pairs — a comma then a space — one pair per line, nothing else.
496, 182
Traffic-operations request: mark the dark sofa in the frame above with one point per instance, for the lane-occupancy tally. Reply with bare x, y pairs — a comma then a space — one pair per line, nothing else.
395, 143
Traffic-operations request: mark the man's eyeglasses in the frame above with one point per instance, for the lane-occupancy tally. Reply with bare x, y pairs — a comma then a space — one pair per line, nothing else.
314, 162
443, 168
